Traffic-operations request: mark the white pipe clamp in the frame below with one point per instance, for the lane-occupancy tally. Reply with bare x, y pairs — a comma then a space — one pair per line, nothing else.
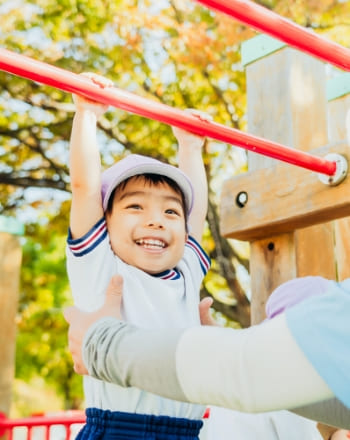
340, 172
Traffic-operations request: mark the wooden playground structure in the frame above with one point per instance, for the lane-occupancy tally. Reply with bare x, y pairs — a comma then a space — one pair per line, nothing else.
290, 217
296, 224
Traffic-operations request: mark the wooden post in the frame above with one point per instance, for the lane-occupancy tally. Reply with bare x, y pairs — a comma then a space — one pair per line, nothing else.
286, 104
338, 94
10, 263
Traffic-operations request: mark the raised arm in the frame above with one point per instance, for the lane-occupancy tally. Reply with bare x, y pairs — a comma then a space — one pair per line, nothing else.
84, 163
191, 163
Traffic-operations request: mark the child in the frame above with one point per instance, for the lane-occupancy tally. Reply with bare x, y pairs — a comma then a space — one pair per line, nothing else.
134, 221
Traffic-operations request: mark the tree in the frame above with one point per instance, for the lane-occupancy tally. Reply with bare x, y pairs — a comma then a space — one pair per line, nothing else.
42, 330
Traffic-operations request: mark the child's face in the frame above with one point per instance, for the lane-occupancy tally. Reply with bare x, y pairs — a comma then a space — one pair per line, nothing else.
147, 225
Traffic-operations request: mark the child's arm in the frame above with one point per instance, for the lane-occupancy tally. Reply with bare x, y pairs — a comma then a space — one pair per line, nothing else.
84, 163
191, 163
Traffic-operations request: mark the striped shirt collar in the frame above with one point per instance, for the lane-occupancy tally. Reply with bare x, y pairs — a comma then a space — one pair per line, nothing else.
170, 274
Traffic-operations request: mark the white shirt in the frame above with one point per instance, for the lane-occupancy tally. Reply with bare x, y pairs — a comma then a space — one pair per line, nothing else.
225, 424
167, 300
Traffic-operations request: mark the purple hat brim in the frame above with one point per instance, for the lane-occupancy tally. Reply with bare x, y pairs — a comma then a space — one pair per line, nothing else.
134, 165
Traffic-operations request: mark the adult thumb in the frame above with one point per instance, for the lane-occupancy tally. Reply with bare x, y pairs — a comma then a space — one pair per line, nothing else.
114, 296
69, 314
204, 311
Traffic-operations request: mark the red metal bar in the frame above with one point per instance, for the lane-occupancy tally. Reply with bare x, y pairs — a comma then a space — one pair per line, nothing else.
68, 432
29, 432
65, 420
70, 82
283, 29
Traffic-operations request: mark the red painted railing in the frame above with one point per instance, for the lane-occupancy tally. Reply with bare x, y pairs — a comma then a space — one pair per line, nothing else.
268, 22
50, 75
42, 427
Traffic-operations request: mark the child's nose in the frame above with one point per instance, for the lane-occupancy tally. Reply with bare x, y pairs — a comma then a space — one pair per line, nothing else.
155, 224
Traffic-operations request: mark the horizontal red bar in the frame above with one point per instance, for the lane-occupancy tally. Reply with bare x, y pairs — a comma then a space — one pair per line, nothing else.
269, 22
43, 421
70, 82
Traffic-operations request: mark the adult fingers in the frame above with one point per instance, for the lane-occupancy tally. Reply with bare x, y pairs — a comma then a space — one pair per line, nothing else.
204, 311
114, 297
69, 313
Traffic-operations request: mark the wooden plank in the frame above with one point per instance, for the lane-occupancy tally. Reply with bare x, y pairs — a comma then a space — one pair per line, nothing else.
272, 264
287, 104
337, 110
270, 115
281, 199
342, 246
316, 257
10, 262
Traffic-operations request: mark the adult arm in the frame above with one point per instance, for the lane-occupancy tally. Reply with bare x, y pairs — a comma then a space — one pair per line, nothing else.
330, 411
253, 370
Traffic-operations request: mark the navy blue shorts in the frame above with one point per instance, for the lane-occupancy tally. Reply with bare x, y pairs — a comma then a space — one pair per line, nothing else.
115, 425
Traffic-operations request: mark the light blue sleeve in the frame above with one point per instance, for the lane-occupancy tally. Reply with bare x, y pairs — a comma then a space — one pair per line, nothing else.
321, 328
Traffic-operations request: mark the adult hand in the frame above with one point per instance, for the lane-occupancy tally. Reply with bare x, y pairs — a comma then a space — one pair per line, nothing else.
80, 321
341, 434
332, 433
204, 311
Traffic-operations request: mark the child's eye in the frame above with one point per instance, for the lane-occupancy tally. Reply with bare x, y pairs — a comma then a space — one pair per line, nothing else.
134, 206
172, 212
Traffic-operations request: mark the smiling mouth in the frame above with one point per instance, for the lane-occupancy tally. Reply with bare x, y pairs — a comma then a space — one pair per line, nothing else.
151, 243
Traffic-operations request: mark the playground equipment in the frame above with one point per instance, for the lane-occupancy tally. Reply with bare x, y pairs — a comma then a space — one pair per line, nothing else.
60, 426
284, 212
62, 79
272, 24
287, 216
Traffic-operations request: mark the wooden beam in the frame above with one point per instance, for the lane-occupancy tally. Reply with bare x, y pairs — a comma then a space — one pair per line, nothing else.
10, 264
280, 199
286, 103
338, 94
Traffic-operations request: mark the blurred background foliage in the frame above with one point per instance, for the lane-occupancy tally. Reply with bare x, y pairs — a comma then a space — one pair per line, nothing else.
171, 51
